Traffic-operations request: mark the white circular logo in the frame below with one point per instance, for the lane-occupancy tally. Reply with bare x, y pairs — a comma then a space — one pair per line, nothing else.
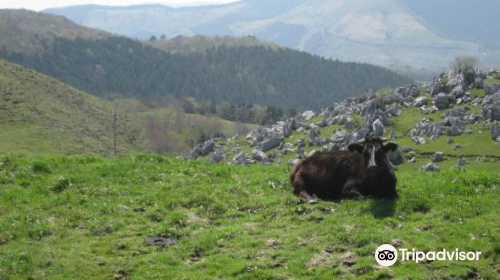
386, 255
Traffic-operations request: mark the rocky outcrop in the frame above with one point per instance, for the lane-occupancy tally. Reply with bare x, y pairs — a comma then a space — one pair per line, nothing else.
491, 107
495, 132
437, 157
430, 167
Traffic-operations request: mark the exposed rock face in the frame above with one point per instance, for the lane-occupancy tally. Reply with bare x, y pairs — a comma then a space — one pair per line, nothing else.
430, 167
438, 157
495, 132
491, 107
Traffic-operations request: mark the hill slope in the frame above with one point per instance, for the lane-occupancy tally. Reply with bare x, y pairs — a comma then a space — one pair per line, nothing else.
245, 75
40, 115
387, 32
31, 32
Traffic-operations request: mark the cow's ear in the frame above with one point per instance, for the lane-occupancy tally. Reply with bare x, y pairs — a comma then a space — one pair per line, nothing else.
355, 148
390, 147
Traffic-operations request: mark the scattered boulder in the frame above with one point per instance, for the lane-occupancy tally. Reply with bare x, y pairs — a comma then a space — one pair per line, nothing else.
240, 159
458, 92
444, 101
412, 160
293, 162
491, 107
430, 167
457, 146
461, 161
394, 110
258, 155
479, 82
420, 101
270, 143
307, 115
396, 157
495, 132
425, 127
438, 157
490, 89
378, 128
218, 155
203, 149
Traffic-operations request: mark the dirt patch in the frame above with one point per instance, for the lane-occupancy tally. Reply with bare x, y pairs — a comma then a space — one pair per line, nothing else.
321, 259
161, 241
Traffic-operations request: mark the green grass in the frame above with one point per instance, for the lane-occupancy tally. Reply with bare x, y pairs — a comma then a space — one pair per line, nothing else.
86, 217
492, 80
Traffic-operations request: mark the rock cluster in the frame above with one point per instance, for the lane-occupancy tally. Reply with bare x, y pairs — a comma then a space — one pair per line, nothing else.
370, 114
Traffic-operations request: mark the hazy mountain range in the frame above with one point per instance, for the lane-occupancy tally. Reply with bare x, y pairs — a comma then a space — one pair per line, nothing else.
386, 32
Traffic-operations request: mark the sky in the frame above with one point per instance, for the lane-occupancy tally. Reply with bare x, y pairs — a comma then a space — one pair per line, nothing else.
38, 5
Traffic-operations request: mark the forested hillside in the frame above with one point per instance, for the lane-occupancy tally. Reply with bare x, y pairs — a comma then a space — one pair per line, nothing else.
243, 75
230, 69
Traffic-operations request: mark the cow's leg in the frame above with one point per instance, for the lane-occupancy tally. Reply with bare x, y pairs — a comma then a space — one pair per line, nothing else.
307, 198
350, 189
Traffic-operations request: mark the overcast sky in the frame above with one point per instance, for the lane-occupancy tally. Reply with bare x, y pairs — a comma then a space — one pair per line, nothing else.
38, 5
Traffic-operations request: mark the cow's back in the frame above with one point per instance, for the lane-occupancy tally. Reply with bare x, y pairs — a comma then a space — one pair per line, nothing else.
324, 174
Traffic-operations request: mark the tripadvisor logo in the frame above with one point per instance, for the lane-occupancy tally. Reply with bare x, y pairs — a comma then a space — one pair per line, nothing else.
387, 255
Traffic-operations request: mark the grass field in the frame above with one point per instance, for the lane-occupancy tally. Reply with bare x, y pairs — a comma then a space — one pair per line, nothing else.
86, 217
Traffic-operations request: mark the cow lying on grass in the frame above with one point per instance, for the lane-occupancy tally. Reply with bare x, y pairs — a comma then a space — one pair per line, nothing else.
363, 170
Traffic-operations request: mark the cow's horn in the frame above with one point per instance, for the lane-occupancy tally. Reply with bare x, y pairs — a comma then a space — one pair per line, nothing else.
361, 141
384, 139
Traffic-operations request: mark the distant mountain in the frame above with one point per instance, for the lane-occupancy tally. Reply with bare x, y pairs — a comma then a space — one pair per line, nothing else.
241, 74
41, 115
386, 32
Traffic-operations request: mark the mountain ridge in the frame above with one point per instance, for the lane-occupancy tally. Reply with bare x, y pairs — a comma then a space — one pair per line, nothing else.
336, 29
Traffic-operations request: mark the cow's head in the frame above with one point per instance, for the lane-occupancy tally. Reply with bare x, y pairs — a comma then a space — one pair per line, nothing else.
374, 151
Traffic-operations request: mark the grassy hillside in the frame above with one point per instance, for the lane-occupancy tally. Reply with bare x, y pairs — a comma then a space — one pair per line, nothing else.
31, 32
40, 115
85, 217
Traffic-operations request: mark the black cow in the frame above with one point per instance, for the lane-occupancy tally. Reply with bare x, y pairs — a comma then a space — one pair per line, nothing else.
363, 170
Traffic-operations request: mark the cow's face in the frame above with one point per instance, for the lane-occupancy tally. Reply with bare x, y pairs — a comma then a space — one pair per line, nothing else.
374, 151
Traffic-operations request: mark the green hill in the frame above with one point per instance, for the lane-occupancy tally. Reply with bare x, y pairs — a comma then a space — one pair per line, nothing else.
40, 115
30, 32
